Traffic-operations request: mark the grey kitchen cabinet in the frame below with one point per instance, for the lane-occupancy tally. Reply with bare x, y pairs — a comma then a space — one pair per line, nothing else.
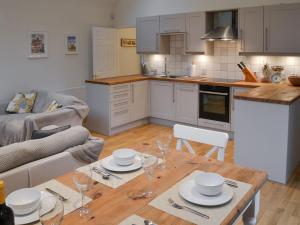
251, 29
195, 29
281, 24
162, 101
172, 24
148, 37
139, 100
186, 103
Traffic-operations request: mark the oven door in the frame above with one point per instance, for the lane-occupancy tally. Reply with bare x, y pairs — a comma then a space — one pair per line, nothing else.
214, 103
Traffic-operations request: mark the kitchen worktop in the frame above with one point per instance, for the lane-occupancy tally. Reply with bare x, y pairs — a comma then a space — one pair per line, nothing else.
260, 92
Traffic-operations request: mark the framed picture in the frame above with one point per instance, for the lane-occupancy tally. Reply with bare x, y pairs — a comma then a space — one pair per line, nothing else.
125, 42
71, 44
38, 45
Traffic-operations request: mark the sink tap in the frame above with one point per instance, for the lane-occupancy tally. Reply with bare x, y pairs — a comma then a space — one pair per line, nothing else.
165, 71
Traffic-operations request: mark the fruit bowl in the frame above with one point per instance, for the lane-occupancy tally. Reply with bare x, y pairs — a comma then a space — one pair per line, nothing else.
294, 80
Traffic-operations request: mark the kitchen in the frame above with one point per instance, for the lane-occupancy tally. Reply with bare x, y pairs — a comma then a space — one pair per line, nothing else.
191, 76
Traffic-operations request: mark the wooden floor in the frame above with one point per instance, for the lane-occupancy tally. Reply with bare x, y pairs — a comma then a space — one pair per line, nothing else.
280, 204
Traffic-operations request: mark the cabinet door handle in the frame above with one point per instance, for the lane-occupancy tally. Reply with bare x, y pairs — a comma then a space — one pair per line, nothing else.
132, 92
173, 92
266, 41
242, 41
157, 40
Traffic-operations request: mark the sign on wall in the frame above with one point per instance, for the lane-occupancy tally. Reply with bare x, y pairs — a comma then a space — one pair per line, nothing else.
125, 42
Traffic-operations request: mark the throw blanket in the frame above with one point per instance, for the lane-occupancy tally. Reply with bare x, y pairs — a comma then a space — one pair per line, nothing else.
18, 127
73, 140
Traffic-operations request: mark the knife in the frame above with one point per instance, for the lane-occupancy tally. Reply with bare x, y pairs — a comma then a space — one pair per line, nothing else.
56, 194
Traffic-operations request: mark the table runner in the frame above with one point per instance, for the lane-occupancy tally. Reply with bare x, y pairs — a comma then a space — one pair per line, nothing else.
216, 214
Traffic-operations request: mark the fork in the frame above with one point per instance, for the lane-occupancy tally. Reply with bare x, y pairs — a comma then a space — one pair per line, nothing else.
177, 206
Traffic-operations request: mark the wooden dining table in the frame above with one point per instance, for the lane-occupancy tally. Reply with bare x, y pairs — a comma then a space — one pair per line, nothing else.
111, 206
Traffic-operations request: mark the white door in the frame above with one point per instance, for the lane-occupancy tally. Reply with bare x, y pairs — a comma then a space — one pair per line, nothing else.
139, 100
251, 29
148, 34
195, 28
186, 103
162, 100
282, 32
105, 61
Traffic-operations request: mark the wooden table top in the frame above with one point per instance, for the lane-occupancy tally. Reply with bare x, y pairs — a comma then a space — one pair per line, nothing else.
111, 206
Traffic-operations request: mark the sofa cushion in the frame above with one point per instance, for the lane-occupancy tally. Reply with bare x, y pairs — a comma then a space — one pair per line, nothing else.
22, 103
38, 134
14, 155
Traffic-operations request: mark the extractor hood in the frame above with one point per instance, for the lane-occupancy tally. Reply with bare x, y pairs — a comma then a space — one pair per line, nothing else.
221, 26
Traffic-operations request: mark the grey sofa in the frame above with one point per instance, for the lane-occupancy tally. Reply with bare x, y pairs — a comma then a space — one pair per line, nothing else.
18, 127
33, 162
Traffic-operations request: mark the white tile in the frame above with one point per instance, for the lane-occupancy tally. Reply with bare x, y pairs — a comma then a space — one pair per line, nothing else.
223, 51
223, 59
223, 67
231, 59
232, 52
217, 51
232, 67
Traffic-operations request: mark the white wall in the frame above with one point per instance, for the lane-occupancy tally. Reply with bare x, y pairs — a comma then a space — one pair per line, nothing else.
58, 72
126, 11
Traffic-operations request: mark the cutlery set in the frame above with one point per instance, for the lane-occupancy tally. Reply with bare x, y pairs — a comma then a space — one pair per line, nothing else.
62, 198
105, 174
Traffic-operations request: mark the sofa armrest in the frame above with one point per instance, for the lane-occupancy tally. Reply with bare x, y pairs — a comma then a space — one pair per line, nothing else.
61, 117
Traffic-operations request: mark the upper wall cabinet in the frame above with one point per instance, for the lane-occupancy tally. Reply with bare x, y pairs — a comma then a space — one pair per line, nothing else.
282, 33
251, 29
172, 24
195, 28
148, 38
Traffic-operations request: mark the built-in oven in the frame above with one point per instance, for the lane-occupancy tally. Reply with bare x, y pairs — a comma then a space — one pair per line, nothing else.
214, 107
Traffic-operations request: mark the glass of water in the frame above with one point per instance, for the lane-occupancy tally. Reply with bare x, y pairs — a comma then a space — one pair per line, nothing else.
163, 143
149, 164
83, 183
51, 211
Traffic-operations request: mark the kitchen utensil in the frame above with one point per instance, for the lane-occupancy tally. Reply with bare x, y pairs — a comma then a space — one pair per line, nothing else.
188, 191
107, 173
24, 201
209, 184
62, 198
178, 206
108, 163
149, 222
105, 176
124, 156
231, 183
294, 80
249, 76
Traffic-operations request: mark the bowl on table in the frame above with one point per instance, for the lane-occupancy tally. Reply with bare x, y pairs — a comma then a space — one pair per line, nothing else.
124, 156
209, 184
294, 80
24, 201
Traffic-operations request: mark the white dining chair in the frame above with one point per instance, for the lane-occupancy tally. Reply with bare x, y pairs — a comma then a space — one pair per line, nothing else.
217, 139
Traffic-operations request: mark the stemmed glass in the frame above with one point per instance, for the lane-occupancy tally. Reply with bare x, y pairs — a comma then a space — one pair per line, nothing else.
83, 182
51, 211
163, 143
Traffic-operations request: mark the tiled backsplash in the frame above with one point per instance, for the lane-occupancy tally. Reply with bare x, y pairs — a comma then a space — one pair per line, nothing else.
223, 64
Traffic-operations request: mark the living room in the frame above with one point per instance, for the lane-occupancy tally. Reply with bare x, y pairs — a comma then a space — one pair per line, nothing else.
149, 112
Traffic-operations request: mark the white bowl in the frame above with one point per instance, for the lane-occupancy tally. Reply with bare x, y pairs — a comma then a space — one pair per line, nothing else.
24, 201
124, 156
209, 184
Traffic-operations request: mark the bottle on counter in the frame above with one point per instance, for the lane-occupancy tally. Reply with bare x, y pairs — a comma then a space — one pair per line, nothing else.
6, 213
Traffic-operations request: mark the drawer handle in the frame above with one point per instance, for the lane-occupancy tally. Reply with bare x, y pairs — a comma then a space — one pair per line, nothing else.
121, 112
121, 95
121, 104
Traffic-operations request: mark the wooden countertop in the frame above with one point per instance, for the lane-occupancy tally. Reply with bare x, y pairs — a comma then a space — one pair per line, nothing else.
276, 93
261, 92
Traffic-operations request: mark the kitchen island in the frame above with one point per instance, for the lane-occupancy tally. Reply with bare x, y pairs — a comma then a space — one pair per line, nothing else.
267, 128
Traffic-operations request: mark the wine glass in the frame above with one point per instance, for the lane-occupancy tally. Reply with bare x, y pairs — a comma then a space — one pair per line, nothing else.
149, 164
163, 143
51, 211
83, 182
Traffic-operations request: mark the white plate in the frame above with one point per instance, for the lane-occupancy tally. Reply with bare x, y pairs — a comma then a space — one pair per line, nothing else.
188, 191
30, 218
109, 164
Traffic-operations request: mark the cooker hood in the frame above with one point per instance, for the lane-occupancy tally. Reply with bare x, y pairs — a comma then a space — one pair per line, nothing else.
222, 26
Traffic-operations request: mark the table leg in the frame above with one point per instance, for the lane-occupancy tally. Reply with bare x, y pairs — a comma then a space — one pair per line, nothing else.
249, 217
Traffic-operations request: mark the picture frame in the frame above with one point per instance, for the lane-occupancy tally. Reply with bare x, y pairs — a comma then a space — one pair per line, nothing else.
126, 42
71, 44
38, 44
